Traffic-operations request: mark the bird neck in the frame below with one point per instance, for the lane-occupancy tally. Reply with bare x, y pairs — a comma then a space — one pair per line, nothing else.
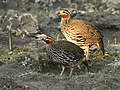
65, 21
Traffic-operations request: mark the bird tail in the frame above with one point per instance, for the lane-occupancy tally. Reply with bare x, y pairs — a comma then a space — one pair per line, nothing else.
101, 46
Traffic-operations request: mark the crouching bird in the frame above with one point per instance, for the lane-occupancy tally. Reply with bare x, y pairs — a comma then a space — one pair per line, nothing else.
66, 53
80, 32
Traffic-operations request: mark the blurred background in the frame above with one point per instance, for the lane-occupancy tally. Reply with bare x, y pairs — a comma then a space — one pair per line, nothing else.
27, 67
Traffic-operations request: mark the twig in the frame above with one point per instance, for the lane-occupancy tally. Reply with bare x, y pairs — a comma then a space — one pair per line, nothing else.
9, 27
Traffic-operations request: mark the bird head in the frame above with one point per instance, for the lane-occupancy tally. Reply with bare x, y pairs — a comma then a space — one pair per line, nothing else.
44, 38
64, 14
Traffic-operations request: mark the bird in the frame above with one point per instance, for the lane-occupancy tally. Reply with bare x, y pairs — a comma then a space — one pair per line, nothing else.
81, 32
66, 53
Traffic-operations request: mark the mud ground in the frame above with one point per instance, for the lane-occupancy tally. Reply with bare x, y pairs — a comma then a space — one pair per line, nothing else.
28, 68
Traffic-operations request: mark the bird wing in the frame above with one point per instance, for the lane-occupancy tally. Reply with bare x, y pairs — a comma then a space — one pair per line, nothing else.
66, 57
82, 31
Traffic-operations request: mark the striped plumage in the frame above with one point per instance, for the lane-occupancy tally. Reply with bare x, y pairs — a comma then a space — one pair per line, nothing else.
64, 52
81, 33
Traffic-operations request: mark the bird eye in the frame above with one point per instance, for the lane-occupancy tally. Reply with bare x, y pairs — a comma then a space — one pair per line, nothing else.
64, 12
48, 37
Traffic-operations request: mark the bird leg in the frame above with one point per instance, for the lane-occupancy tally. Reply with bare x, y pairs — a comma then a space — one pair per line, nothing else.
87, 53
71, 70
85, 62
63, 68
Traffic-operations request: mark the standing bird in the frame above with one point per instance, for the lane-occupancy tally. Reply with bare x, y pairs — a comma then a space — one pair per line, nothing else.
81, 33
63, 52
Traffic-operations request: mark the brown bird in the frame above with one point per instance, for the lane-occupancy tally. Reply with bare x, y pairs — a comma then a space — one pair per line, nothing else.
63, 52
81, 33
